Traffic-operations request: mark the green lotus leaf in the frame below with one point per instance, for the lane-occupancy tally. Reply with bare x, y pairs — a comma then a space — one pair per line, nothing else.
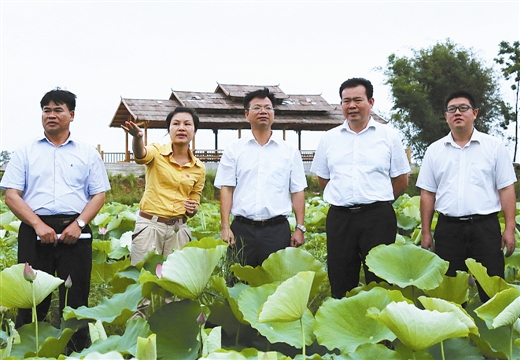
112, 355
6, 218
289, 301
444, 306
189, 269
456, 349
493, 343
231, 294
452, 288
420, 329
392, 263
490, 284
177, 330
281, 266
97, 331
125, 344
147, 348
343, 323
247, 354
500, 310
16, 292
206, 243
250, 303
115, 310
101, 219
372, 351
52, 341
212, 341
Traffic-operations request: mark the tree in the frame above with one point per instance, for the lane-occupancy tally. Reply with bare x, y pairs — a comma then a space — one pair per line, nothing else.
5, 156
419, 85
511, 69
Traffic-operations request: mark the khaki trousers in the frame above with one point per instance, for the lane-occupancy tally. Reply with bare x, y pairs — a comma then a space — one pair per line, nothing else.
151, 235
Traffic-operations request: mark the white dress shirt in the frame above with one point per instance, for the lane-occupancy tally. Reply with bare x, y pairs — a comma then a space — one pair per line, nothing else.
466, 180
56, 180
263, 177
360, 166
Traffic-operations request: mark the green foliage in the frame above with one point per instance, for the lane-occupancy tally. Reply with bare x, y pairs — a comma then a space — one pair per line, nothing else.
126, 189
420, 83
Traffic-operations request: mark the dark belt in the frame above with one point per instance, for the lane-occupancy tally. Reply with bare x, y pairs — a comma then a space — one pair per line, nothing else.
360, 207
261, 223
167, 221
59, 219
466, 219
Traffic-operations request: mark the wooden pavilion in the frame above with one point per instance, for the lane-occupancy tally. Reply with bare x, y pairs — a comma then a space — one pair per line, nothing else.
223, 109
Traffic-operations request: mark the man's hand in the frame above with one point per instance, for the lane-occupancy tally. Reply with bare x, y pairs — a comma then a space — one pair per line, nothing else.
427, 242
46, 233
509, 242
70, 234
227, 235
297, 238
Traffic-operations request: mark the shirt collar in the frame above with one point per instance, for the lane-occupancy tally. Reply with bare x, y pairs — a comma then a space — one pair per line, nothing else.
42, 137
371, 124
476, 136
273, 138
166, 150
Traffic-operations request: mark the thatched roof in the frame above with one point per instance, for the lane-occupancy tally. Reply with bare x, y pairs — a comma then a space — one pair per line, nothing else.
223, 109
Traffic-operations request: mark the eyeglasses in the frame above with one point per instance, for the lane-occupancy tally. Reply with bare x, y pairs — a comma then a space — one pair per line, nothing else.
462, 108
258, 108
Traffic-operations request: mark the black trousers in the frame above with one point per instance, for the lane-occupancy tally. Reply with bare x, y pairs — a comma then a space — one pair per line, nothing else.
479, 239
254, 244
61, 260
350, 236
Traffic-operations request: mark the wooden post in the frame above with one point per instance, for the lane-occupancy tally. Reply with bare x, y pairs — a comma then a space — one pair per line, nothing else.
215, 131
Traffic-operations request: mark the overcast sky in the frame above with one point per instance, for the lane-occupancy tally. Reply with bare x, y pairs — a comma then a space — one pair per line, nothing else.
103, 51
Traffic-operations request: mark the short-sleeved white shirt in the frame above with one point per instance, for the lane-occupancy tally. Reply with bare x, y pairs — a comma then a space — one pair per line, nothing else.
263, 177
360, 166
466, 180
56, 179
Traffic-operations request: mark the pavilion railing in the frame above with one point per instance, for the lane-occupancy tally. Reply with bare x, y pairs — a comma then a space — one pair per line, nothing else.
206, 156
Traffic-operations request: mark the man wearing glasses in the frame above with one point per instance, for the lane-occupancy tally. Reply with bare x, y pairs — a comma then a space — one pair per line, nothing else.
258, 176
467, 177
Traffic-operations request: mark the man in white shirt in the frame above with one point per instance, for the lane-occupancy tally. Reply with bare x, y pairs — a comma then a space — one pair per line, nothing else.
362, 167
56, 185
468, 177
258, 176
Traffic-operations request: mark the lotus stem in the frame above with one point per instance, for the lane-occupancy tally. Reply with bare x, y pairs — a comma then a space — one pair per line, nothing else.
35, 317
238, 335
303, 338
442, 350
511, 342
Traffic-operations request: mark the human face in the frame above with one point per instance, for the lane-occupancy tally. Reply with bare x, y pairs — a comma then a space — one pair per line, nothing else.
461, 121
56, 118
356, 106
260, 119
182, 129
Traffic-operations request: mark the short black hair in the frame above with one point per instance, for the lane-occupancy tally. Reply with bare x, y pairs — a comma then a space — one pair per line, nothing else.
354, 82
460, 94
59, 96
183, 109
258, 94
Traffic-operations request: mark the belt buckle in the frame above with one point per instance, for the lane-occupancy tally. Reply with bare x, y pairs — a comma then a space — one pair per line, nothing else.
466, 218
355, 209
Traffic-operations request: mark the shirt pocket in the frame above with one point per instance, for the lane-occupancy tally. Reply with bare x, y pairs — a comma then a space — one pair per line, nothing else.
278, 175
75, 174
481, 174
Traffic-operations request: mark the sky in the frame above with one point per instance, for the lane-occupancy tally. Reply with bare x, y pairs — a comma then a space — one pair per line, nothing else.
104, 51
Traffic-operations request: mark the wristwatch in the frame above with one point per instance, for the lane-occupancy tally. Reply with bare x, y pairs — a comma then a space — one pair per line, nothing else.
81, 223
301, 227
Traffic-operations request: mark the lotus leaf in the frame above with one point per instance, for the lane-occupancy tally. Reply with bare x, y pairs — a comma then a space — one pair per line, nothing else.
392, 263
490, 284
250, 303
125, 344
501, 310
116, 310
420, 329
373, 351
343, 323
444, 306
281, 266
186, 272
16, 292
289, 301
147, 348
452, 288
